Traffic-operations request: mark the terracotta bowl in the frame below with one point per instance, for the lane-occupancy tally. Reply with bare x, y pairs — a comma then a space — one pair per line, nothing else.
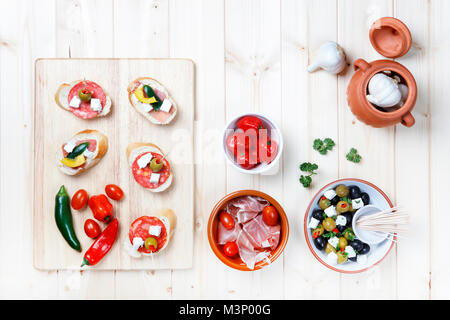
377, 251
236, 263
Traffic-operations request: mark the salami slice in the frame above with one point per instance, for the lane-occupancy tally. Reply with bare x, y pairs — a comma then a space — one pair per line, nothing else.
84, 111
140, 228
142, 175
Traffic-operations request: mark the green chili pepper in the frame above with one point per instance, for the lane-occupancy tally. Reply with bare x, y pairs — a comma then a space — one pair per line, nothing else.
150, 93
63, 217
79, 149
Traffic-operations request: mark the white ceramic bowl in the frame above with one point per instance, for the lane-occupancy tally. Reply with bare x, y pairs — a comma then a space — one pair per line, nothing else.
367, 236
377, 252
275, 134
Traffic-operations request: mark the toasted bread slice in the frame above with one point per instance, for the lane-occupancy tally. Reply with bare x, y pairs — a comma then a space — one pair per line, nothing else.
100, 151
137, 148
156, 117
62, 97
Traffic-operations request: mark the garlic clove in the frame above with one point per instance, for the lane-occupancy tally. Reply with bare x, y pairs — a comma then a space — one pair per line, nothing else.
330, 57
383, 91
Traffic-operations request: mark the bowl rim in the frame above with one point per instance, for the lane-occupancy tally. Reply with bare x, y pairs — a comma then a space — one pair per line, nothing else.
284, 223
280, 144
305, 228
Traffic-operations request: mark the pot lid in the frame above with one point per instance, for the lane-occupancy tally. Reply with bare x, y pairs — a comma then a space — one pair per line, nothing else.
390, 37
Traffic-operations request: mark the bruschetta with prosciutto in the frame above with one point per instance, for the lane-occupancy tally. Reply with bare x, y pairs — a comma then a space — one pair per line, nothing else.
149, 166
150, 235
85, 99
151, 99
83, 151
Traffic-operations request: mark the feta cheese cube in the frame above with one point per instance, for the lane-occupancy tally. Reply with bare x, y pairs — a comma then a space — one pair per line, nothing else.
332, 258
329, 194
144, 160
330, 211
350, 251
69, 146
96, 105
147, 107
75, 102
154, 178
333, 241
361, 259
166, 105
341, 220
155, 230
137, 243
357, 203
313, 223
88, 154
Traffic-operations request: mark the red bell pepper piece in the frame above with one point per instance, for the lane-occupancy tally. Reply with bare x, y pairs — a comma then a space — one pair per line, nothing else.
250, 122
102, 245
101, 208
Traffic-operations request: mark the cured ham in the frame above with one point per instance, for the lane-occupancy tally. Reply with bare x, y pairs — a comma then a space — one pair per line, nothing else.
225, 235
262, 235
246, 208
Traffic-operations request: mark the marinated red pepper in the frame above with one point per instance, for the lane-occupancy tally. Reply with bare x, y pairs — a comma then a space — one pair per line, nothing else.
102, 245
101, 208
250, 122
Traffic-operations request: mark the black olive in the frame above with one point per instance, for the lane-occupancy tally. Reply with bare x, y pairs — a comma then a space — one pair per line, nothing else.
335, 200
356, 244
348, 216
353, 259
355, 192
365, 198
365, 249
320, 242
341, 228
318, 214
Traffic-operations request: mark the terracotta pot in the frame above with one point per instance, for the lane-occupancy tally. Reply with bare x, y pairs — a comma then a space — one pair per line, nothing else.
236, 263
367, 112
390, 37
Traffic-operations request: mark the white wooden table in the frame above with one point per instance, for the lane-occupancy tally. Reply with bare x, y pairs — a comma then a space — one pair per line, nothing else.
250, 56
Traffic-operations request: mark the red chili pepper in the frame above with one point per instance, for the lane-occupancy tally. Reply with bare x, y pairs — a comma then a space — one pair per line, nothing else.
250, 122
335, 230
101, 208
316, 234
102, 245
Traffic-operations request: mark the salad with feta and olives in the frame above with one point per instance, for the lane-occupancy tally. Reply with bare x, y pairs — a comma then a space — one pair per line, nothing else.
330, 224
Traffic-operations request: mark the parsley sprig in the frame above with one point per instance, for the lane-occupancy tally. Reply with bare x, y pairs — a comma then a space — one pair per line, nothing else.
353, 156
323, 146
310, 168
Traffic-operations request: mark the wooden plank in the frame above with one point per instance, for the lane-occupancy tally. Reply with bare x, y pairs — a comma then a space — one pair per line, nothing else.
376, 146
413, 283
22, 34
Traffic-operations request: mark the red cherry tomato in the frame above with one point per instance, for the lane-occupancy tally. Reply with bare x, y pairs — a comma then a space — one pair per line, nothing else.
267, 150
91, 228
114, 192
227, 220
240, 141
79, 199
270, 216
230, 249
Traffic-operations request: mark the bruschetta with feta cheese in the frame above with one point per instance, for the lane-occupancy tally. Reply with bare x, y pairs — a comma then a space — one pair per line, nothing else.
151, 99
149, 166
83, 151
85, 99
150, 235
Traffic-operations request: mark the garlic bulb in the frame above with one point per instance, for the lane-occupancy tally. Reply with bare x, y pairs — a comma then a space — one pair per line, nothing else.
383, 91
330, 57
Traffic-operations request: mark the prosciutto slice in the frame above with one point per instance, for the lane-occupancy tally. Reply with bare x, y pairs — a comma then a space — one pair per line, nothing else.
250, 257
262, 235
224, 235
246, 208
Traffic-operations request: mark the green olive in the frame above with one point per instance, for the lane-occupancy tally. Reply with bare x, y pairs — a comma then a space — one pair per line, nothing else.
342, 206
342, 242
156, 165
342, 191
324, 203
329, 248
349, 234
85, 95
151, 242
319, 229
342, 257
329, 224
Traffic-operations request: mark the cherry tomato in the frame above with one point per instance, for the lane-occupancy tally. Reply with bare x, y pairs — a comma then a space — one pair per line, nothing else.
114, 192
230, 249
79, 199
267, 150
91, 228
227, 220
240, 141
270, 216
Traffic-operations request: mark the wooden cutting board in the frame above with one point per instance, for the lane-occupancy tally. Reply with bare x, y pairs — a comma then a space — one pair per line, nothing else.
54, 126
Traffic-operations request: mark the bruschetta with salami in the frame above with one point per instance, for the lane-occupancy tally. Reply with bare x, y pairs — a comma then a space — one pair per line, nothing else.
83, 151
150, 235
151, 99
149, 166
85, 99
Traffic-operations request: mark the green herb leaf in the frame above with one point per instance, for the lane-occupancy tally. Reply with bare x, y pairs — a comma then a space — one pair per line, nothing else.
305, 181
308, 167
323, 146
353, 156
